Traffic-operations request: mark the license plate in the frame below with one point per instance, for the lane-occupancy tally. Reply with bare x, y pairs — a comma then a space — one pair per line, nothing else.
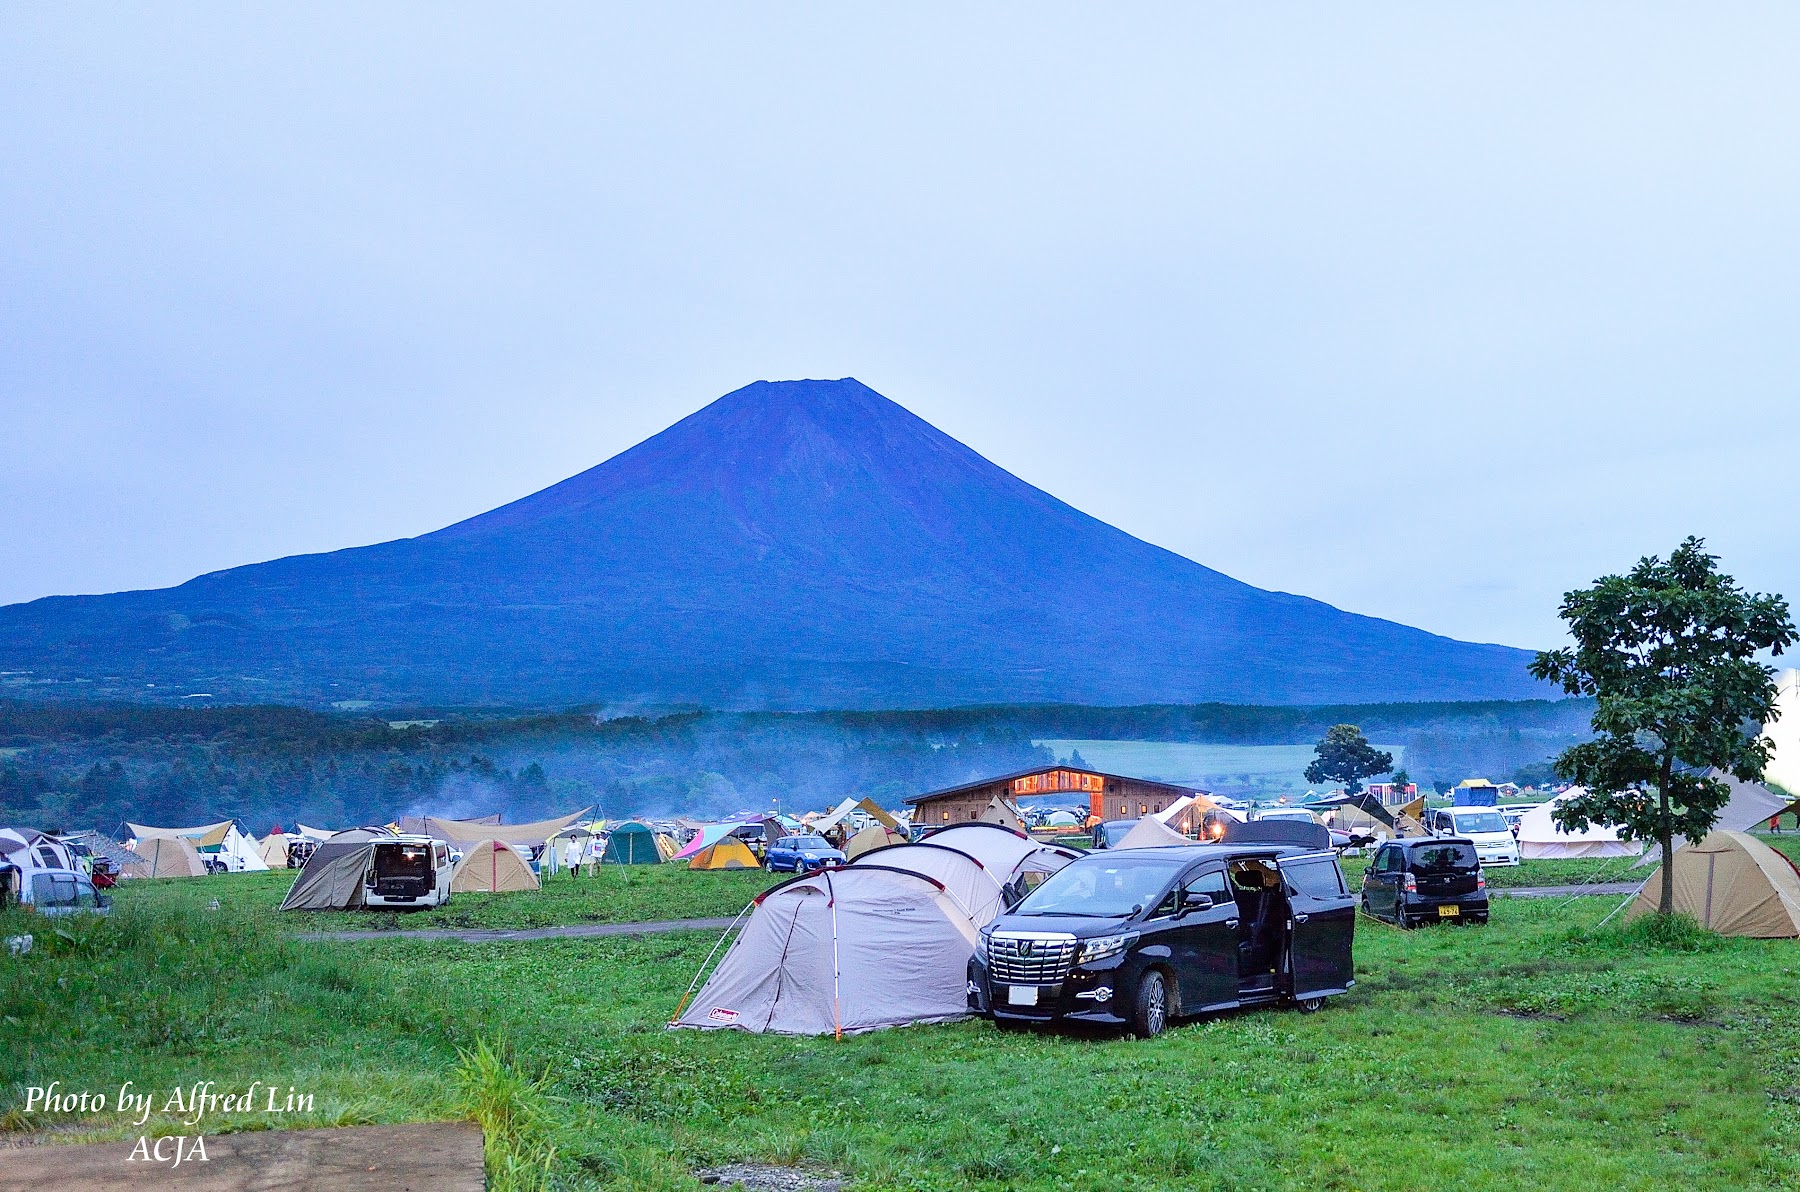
1021, 995
1449, 912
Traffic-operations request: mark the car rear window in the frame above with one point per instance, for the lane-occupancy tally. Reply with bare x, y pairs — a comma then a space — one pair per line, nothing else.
1444, 858
1319, 879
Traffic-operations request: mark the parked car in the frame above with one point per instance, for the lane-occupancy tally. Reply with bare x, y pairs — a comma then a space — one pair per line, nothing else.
1108, 833
1141, 937
1485, 827
408, 873
802, 854
1426, 880
62, 892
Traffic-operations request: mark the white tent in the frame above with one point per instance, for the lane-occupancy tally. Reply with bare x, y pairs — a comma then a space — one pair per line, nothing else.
1006, 853
847, 950
1540, 838
1151, 832
976, 890
1784, 767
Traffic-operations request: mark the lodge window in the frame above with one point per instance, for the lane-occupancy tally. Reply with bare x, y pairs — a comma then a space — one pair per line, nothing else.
1143, 809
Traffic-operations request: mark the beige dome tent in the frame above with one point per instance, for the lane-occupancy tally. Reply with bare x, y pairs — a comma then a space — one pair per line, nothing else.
1151, 832
1733, 884
493, 867
166, 856
872, 837
843, 951
274, 850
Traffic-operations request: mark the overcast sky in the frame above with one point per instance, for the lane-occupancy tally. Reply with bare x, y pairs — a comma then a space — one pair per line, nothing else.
1429, 312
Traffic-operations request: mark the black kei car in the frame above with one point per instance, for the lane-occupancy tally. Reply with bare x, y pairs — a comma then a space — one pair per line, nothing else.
1138, 937
1434, 879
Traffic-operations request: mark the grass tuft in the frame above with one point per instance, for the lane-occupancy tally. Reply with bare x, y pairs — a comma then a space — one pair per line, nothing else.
514, 1116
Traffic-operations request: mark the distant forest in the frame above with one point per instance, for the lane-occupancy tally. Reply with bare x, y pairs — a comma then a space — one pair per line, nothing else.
72, 765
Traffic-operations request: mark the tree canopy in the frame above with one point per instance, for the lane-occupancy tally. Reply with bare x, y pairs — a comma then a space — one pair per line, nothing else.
1345, 756
1668, 651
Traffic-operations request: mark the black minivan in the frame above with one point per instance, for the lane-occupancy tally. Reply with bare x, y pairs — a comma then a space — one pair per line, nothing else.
1435, 879
1138, 937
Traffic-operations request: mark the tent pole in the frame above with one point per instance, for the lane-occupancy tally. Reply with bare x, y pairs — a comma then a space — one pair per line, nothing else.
695, 983
837, 1021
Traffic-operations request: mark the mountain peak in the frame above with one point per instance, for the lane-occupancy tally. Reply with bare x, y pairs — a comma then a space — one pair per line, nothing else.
804, 543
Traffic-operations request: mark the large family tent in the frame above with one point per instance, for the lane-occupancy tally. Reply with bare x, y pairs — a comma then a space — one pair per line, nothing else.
1540, 838
333, 877
725, 853
168, 856
870, 838
631, 843
1007, 853
1733, 884
839, 952
464, 833
493, 867
976, 891
221, 841
1151, 832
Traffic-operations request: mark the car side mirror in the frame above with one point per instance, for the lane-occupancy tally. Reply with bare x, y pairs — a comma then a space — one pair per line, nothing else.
1196, 902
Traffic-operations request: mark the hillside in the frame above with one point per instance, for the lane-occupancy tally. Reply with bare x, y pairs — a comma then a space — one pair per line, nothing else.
797, 544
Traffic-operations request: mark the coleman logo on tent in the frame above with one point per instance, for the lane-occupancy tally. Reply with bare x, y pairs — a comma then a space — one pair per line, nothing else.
720, 1014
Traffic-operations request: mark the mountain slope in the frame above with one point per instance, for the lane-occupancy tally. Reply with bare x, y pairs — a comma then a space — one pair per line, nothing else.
793, 544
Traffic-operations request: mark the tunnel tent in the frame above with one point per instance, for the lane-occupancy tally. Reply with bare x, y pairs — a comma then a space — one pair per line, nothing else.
870, 838
840, 952
166, 856
1732, 883
1007, 853
493, 867
631, 843
728, 852
1151, 832
978, 893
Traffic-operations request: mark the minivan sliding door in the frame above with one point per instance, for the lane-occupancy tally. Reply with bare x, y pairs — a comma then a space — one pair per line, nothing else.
1323, 915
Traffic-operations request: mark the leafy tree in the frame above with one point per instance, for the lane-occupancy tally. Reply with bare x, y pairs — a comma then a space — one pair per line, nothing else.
1668, 652
1345, 756
1401, 778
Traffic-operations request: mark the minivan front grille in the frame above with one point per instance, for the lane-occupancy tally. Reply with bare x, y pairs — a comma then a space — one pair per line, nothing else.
1030, 958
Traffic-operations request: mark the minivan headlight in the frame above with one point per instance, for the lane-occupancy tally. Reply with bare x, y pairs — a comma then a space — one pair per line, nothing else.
1104, 946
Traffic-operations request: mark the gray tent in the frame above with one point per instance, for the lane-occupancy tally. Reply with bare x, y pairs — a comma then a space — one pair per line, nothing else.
333, 877
843, 951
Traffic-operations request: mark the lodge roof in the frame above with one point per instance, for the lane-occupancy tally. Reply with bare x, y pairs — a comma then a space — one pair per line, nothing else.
951, 791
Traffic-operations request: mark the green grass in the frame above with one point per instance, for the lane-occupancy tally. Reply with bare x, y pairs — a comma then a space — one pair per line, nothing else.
1535, 1053
615, 894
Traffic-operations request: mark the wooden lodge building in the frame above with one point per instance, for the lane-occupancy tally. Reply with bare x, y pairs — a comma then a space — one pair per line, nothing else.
1108, 796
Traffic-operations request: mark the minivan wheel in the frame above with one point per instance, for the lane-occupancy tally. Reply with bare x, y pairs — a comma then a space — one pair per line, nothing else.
1309, 1005
1151, 1013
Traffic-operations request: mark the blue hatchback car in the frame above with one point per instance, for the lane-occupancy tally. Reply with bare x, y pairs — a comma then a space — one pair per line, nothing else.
802, 854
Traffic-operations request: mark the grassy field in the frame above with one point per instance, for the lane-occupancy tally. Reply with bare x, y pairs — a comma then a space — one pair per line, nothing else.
1535, 1053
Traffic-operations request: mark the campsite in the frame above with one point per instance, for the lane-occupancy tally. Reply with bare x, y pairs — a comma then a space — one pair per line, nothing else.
1554, 1027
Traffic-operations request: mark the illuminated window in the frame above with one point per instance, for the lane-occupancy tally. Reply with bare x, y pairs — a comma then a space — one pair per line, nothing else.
1143, 809
946, 817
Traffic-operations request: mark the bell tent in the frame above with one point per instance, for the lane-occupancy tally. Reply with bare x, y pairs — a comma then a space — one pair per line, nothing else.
840, 952
274, 850
726, 853
1733, 884
493, 867
631, 843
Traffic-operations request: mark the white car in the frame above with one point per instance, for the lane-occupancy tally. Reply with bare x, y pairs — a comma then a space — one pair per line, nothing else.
1484, 826
61, 892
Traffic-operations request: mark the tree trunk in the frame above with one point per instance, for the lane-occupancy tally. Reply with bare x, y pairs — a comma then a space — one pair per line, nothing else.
1665, 903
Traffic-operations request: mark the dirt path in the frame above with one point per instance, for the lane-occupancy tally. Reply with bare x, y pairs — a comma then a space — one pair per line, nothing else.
580, 930
432, 1157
